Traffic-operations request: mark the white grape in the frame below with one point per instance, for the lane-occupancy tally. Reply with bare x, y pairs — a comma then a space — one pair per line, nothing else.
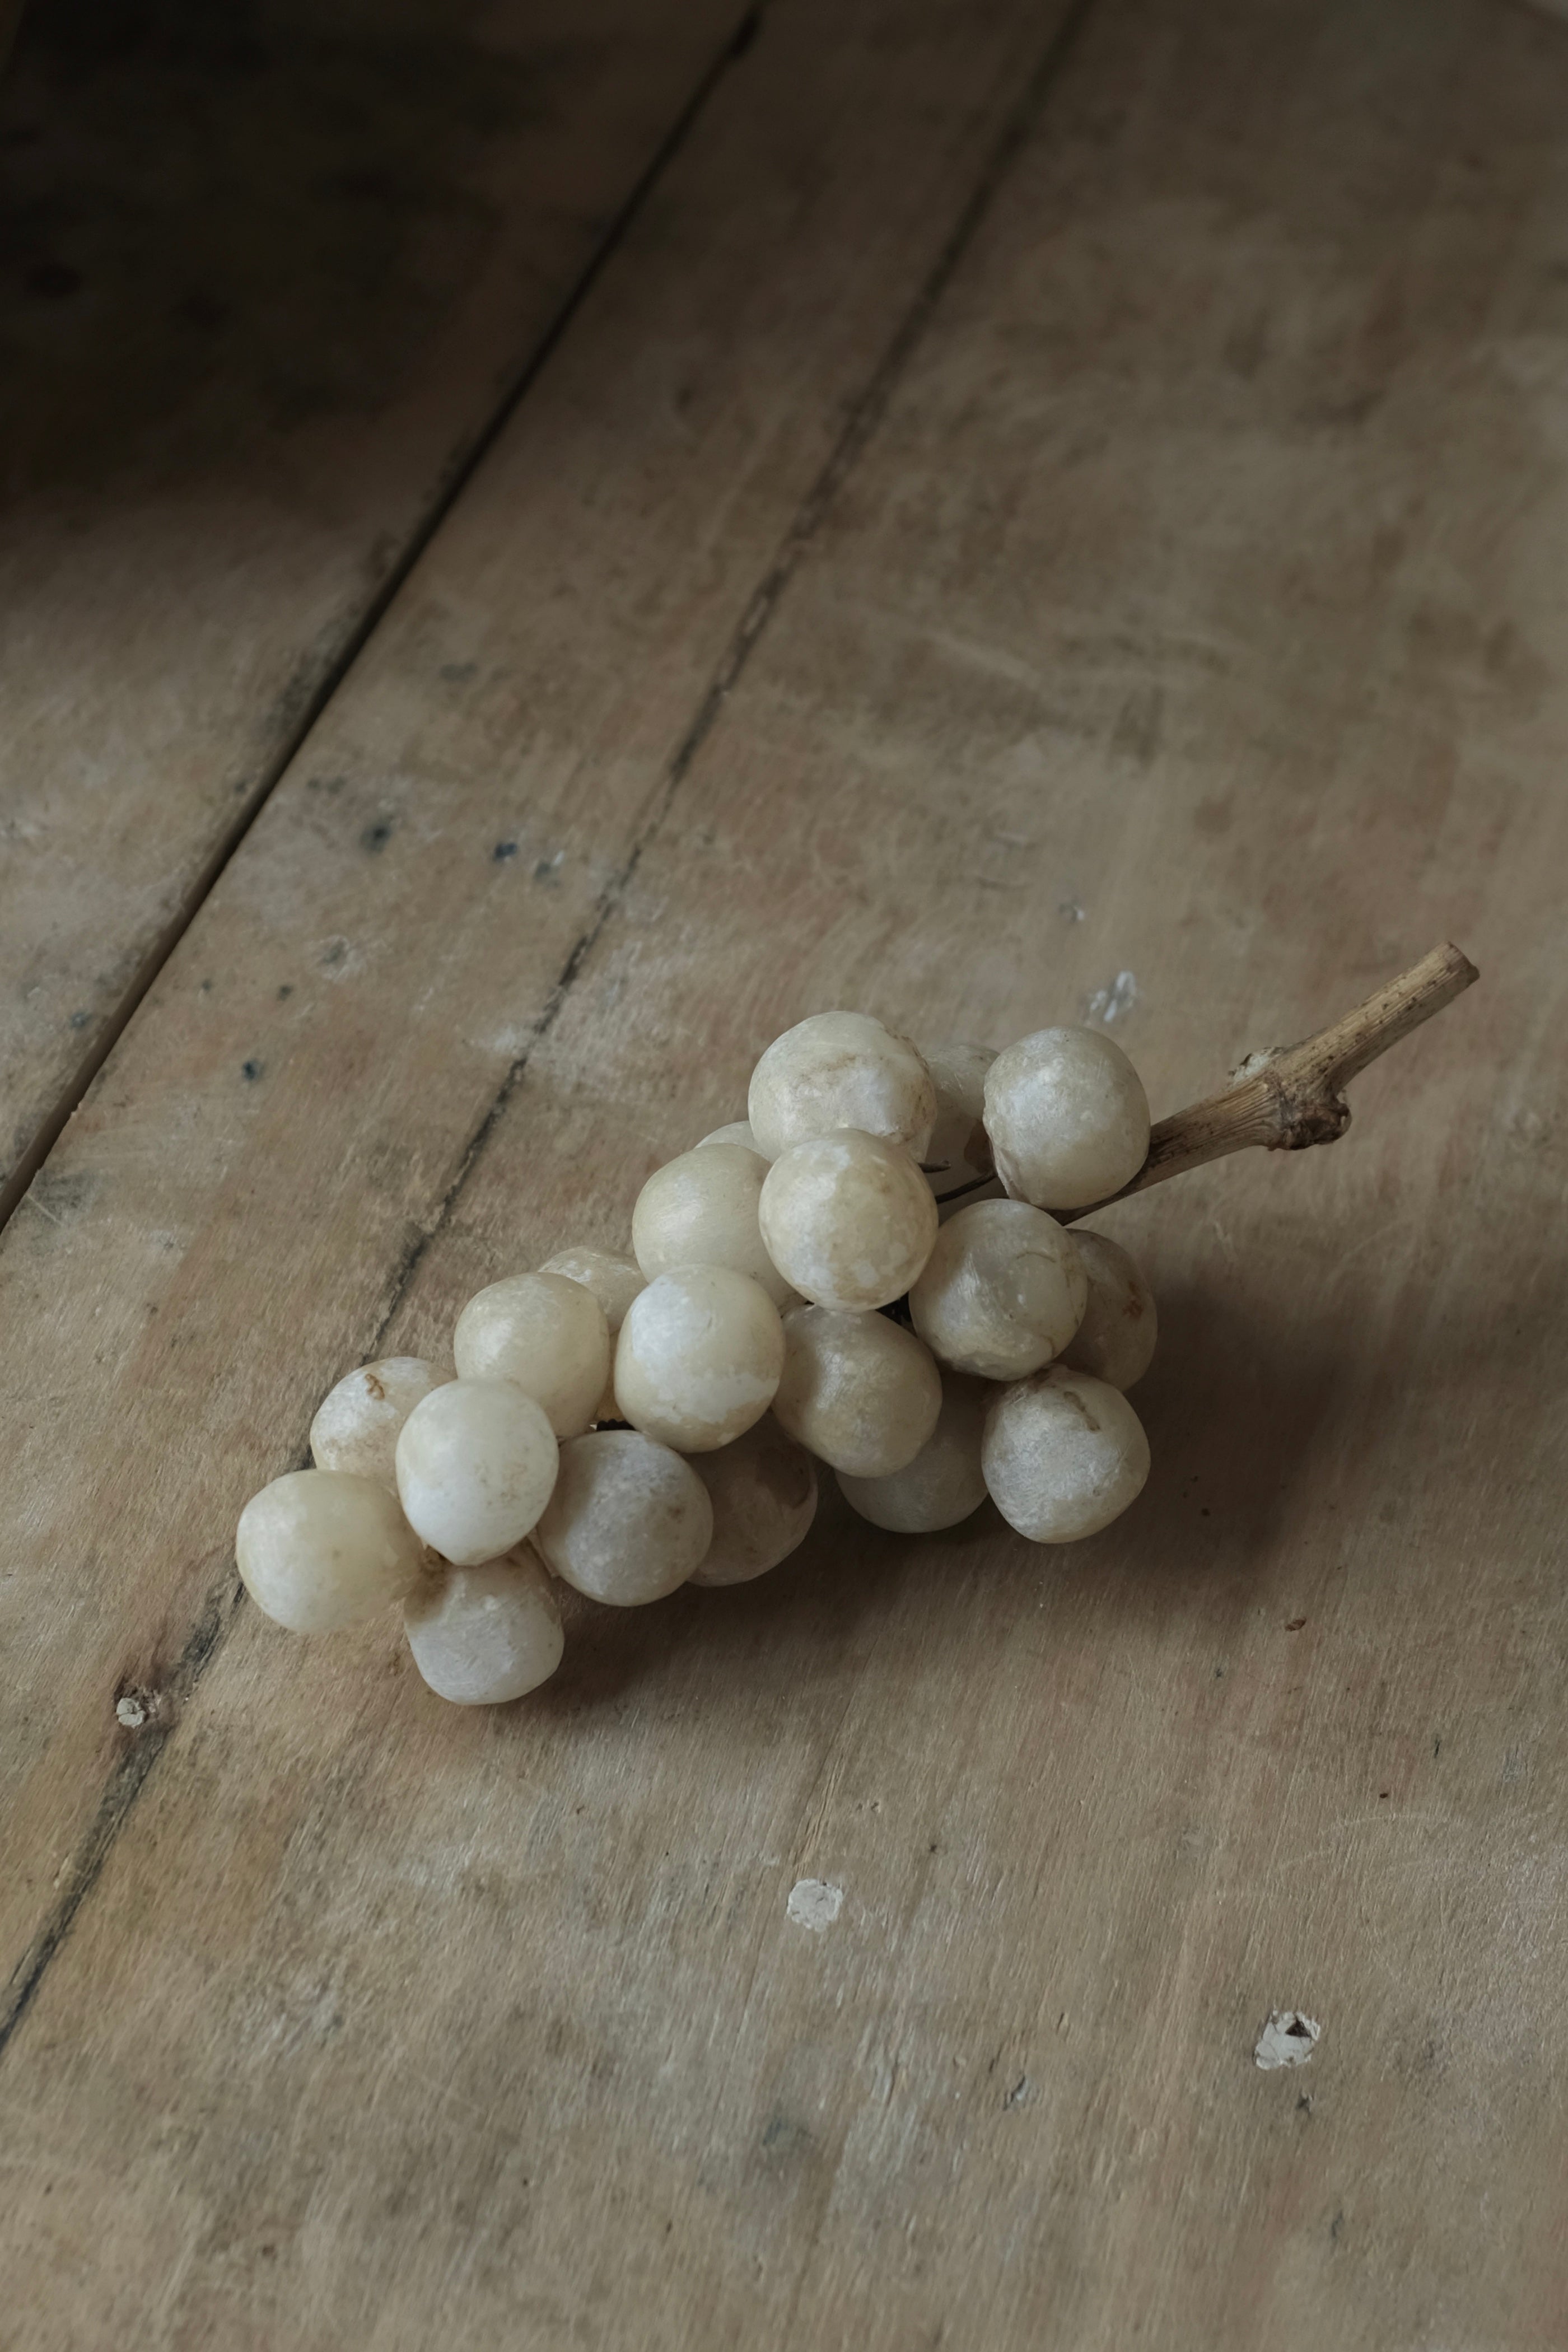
1001, 1292
849, 1219
476, 1465
944, 1483
1064, 1455
545, 1332
357, 1422
840, 1069
763, 1493
737, 1131
858, 1390
958, 1157
701, 1209
1115, 1341
698, 1357
319, 1549
483, 1635
628, 1521
614, 1280
1067, 1117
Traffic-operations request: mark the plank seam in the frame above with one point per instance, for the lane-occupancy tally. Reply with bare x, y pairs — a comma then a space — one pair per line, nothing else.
864, 415
456, 477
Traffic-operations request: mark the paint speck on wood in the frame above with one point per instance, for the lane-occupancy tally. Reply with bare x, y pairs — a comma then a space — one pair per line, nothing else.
1288, 2039
813, 1903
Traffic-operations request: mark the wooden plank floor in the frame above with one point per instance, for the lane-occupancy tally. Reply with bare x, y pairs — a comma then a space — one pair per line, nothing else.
267, 283
1034, 516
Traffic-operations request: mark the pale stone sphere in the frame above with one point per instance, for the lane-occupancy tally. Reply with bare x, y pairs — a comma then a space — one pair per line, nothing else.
483, 1635
944, 1482
736, 1130
1067, 1117
698, 1357
1001, 1292
614, 1282
476, 1464
763, 1493
1115, 1341
840, 1069
959, 1154
321, 1548
701, 1209
548, 1333
1063, 1454
849, 1219
357, 1422
859, 1391
628, 1521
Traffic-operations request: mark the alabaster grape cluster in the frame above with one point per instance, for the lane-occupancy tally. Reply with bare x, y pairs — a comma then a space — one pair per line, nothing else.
865, 1272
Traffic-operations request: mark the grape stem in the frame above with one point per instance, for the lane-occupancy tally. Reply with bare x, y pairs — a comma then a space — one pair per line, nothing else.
1290, 1096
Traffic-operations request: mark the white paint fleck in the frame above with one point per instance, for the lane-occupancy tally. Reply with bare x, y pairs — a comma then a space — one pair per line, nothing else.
1288, 2040
131, 1711
813, 1903
1112, 1004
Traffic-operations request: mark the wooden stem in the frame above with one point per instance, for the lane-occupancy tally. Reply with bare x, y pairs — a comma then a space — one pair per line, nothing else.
1290, 1096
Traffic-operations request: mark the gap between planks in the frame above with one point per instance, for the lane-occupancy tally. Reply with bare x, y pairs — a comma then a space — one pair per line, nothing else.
13, 1190
205, 1639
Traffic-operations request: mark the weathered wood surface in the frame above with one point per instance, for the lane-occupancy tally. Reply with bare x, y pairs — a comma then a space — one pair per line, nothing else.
482, 789
1182, 636
269, 276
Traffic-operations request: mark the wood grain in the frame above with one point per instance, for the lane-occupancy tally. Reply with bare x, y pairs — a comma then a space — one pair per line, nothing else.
269, 279
485, 786
1183, 640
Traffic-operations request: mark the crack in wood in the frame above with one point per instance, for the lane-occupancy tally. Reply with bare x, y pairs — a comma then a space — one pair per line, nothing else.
124, 1786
